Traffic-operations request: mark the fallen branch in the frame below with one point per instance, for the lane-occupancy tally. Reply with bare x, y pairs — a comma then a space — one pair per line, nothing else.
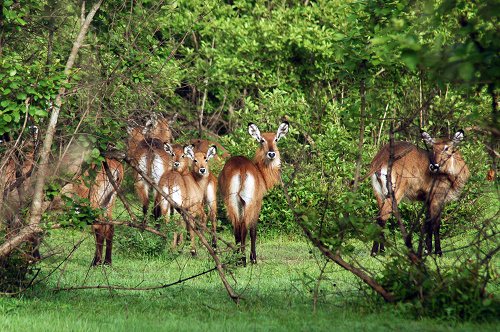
388, 297
110, 287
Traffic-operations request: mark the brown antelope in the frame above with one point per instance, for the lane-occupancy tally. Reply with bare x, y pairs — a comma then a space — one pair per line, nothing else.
243, 184
187, 189
434, 177
102, 195
20, 165
15, 183
210, 199
145, 149
206, 179
179, 163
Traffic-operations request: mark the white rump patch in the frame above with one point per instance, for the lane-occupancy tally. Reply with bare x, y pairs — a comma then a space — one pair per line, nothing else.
248, 189
234, 188
143, 166
158, 169
379, 183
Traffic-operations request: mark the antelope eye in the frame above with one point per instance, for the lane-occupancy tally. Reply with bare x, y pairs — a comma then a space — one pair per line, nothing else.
195, 161
446, 148
261, 141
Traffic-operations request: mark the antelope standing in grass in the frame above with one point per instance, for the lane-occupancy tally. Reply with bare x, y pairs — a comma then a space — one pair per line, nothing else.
243, 184
206, 179
102, 195
434, 177
187, 189
145, 149
210, 199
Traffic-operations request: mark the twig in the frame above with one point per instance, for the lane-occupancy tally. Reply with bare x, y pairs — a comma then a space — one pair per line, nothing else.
112, 287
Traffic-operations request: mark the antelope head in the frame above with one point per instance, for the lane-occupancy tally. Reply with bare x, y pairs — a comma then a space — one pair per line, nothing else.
180, 156
442, 153
201, 161
268, 151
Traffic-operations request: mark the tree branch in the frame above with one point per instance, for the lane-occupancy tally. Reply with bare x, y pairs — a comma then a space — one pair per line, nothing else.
33, 228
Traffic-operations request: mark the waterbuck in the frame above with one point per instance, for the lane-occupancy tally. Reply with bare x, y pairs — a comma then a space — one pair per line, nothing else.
187, 189
435, 177
243, 184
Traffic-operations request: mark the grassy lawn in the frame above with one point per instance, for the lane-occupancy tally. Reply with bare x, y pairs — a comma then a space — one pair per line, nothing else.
277, 293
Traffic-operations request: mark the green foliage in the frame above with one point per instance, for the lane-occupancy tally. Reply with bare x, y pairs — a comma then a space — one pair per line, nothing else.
451, 293
431, 64
26, 91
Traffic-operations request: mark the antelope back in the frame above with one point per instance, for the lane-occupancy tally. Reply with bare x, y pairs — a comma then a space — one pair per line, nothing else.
100, 191
135, 136
415, 171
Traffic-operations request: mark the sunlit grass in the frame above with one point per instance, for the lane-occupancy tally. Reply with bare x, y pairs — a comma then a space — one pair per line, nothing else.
277, 294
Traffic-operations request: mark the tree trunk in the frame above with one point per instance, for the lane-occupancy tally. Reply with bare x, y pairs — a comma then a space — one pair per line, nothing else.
359, 160
33, 228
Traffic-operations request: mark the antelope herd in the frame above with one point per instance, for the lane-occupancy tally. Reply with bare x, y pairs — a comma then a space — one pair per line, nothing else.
183, 174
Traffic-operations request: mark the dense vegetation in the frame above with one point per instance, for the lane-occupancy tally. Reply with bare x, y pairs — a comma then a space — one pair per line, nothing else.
345, 74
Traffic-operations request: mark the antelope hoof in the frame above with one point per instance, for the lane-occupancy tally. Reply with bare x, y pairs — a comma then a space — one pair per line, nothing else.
241, 262
96, 262
193, 253
253, 260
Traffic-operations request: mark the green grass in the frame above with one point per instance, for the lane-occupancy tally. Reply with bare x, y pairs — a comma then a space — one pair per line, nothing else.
277, 294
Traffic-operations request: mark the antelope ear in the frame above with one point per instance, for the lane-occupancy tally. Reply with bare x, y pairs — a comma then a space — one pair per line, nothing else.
212, 152
188, 151
458, 137
168, 149
254, 132
152, 121
282, 130
427, 138
129, 130
149, 124
171, 121
34, 131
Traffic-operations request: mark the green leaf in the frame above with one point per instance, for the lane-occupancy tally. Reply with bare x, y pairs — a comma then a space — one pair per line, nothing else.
40, 112
410, 58
338, 36
95, 153
7, 118
21, 96
466, 71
